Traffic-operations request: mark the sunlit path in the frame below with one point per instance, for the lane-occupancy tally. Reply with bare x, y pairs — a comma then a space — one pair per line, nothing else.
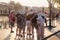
6, 35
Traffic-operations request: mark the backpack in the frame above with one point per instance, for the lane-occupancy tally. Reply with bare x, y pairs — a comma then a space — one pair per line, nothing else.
20, 18
57, 15
13, 19
44, 18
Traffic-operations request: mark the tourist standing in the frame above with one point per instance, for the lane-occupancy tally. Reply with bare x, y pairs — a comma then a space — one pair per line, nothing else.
12, 20
21, 21
40, 23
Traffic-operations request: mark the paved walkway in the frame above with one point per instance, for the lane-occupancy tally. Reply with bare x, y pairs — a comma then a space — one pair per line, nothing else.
47, 33
6, 35
57, 36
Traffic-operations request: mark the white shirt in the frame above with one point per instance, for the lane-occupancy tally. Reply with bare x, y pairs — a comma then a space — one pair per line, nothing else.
40, 20
21, 11
28, 23
42, 14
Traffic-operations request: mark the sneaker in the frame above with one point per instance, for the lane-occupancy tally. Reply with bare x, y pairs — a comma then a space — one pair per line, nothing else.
20, 35
12, 31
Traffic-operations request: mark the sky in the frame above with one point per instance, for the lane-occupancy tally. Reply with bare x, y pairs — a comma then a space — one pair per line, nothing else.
36, 3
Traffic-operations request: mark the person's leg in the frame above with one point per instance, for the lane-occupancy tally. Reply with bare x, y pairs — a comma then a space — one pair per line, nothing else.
11, 28
28, 30
17, 31
12, 25
24, 31
32, 31
39, 37
9, 24
42, 32
38, 33
20, 30
46, 22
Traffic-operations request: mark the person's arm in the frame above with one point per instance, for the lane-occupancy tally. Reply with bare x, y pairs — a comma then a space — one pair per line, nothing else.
16, 17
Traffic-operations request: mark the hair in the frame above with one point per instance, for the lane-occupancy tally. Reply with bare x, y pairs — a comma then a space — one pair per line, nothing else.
12, 11
31, 10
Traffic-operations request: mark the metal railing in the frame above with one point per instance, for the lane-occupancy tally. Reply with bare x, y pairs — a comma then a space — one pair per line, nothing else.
4, 14
51, 35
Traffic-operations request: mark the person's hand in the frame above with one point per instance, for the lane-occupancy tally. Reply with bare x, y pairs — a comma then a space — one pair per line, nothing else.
38, 23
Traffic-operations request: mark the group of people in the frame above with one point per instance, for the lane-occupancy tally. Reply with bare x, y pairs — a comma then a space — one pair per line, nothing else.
33, 20
58, 16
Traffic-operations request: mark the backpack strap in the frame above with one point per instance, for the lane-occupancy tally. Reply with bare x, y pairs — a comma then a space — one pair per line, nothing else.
33, 17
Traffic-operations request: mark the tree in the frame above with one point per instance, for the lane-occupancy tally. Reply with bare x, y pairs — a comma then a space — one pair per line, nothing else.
11, 5
17, 6
56, 1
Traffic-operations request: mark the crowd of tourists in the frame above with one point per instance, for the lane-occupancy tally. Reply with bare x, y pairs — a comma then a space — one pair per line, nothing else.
30, 20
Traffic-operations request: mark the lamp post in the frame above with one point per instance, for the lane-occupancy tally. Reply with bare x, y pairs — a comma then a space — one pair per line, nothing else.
50, 13
50, 6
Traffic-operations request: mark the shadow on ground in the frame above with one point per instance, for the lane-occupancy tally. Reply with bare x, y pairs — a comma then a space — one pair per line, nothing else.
8, 37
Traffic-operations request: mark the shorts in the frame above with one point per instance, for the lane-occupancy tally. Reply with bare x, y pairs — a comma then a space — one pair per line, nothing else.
20, 26
28, 23
35, 25
12, 24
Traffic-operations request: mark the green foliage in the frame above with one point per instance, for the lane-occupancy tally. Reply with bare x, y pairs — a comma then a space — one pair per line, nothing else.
56, 1
15, 6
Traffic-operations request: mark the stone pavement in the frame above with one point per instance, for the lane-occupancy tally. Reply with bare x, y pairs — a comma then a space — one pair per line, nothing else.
6, 35
57, 28
47, 33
